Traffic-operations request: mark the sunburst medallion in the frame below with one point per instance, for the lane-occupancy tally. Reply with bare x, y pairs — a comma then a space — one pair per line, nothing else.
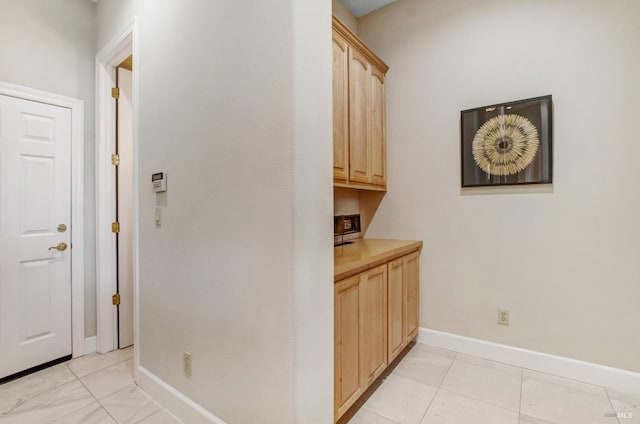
505, 144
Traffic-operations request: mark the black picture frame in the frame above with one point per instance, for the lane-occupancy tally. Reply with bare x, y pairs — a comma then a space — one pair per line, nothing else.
507, 143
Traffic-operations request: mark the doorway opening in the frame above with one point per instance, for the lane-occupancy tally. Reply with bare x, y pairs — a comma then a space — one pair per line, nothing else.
116, 193
124, 201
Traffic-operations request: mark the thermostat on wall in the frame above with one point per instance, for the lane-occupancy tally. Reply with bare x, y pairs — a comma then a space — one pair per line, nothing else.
159, 180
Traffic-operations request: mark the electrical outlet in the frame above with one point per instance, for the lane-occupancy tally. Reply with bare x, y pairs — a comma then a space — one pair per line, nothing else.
503, 317
186, 362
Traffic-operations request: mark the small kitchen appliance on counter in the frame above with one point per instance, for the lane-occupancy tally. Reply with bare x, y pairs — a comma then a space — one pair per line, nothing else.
345, 225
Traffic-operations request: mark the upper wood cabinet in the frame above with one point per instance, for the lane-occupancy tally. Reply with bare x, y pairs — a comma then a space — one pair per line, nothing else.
340, 108
359, 113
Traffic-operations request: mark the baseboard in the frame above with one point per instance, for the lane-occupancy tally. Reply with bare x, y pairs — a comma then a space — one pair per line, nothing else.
90, 344
84, 347
618, 379
175, 402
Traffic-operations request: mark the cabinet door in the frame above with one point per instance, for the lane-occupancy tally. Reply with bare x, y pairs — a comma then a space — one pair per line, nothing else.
359, 80
340, 108
411, 297
377, 129
347, 344
373, 322
395, 309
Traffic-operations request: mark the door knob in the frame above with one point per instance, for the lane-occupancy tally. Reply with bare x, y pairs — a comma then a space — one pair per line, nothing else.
60, 247
62, 228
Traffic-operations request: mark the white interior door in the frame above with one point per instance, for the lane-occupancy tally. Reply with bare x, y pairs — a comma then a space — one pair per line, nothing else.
125, 209
35, 202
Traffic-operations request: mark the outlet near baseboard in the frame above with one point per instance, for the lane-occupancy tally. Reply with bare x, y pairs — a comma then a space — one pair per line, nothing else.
503, 317
186, 363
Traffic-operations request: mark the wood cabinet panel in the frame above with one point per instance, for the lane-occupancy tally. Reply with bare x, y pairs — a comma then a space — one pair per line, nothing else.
395, 309
358, 117
411, 264
377, 141
340, 108
347, 344
374, 323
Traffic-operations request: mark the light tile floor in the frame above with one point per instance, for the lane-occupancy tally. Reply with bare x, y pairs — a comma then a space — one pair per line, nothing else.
435, 386
427, 386
93, 389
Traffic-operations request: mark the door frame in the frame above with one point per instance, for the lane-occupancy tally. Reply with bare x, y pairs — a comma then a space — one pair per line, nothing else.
110, 56
80, 345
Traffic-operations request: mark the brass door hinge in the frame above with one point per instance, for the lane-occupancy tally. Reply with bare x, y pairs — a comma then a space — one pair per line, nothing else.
115, 227
115, 299
115, 92
115, 159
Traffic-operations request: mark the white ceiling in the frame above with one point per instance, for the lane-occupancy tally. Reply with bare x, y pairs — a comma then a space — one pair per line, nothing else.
361, 7
357, 7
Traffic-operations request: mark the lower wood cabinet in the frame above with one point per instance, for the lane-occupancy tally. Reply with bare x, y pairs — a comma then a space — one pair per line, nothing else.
411, 289
402, 303
373, 324
375, 317
348, 381
396, 340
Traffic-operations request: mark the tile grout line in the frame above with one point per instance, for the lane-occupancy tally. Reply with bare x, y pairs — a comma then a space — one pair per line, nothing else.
455, 356
558, 377
27, 399
374, 413
554, 376
77, 409
419, 382
613, 408
151, 415
100, 369
33, 395
521, 388
152, 400
363, 406
517, 366
133, 384
97, 400
481, 400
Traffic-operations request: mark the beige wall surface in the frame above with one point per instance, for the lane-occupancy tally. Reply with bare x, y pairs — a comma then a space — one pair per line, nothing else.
563, 258
49, 46
345, 201
345, 15
111, 18
234, 104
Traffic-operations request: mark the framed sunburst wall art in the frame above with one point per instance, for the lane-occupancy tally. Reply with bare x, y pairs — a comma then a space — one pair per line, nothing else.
507, 143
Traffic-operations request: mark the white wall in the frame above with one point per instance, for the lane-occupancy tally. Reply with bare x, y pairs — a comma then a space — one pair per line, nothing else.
49, 46
563, 257
235, 106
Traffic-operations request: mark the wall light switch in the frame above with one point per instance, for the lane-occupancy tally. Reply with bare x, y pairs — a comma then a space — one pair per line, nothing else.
158, 217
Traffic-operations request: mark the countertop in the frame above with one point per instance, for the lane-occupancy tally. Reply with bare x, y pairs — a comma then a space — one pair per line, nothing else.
363, 254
